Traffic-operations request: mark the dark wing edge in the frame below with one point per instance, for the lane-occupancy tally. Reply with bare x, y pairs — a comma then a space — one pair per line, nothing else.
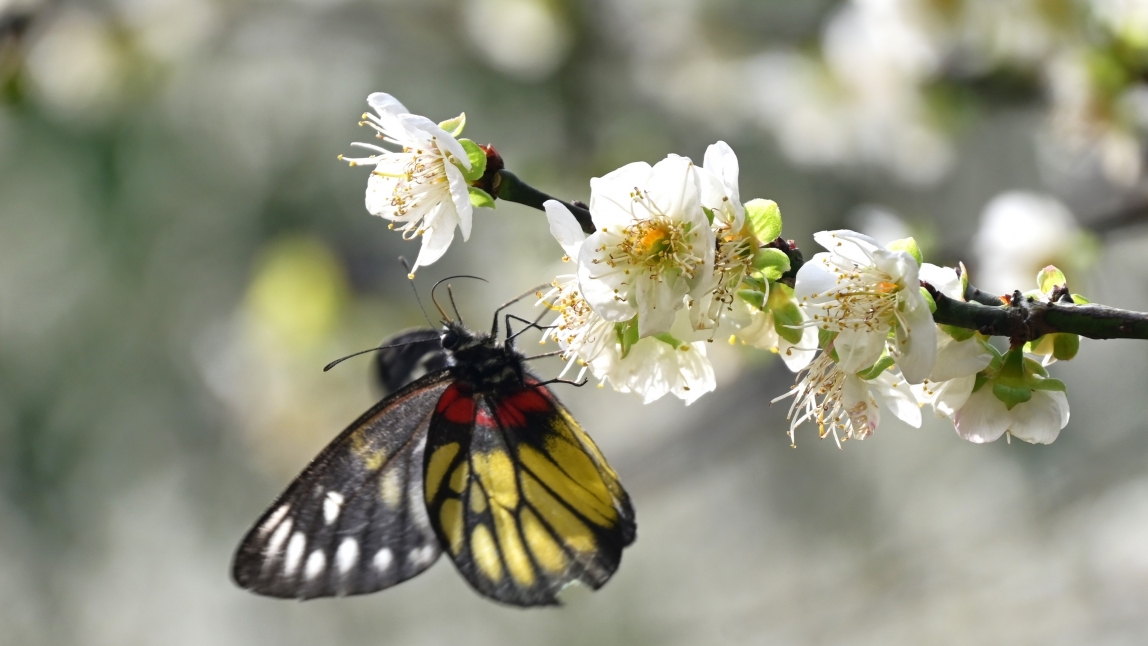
523, 501
416, 353
354, 521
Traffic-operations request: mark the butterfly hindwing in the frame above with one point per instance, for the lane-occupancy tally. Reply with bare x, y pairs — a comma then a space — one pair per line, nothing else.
412, 354
355, 520
520, 496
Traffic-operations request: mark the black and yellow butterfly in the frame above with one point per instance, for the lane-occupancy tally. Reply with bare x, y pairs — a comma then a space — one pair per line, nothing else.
477, 458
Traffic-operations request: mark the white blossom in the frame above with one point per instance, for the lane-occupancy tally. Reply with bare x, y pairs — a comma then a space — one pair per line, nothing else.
1019, 234
652, 247
984, 418
843, 404
421, 185
862, 291
651, 367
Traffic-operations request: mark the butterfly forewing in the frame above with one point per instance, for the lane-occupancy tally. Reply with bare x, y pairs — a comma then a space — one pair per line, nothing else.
355, 520
519, 495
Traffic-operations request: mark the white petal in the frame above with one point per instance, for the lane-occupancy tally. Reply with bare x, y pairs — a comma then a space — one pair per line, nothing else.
437, 238
916, 340
385, 103
858, 349
860, 406
611, 202
673, 188
945, 279
380, 193
895, 392
565, 228
657, 305
983, 418
460, 198
953, 394
603, 287
696, 373
958, 358
848, 244
798, 356
1038, 420
814, 280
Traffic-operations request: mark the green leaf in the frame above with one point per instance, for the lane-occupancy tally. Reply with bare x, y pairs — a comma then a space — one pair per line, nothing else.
964, 279
772, 263
1011, 395
753, 297
480, 198
666, 337
453, 127
477, 157
709, 214
1049, 278
909, 246
764, 218
627, 334
1065, 346
929, 299
876, 369
1080, 300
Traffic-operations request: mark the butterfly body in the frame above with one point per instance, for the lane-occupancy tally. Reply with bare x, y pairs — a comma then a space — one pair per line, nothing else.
476, 458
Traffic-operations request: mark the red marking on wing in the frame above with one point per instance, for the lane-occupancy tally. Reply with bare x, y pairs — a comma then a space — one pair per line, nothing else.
456, 406
527, 400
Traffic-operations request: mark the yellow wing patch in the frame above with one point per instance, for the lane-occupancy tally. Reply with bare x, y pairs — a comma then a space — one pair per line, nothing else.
436, 468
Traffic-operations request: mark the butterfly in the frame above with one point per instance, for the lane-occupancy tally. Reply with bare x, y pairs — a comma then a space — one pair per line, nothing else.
476, 458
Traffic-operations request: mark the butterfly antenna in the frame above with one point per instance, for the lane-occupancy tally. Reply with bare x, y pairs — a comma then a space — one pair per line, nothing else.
450, 294
435, 301
407, 266
529, 292
375, 349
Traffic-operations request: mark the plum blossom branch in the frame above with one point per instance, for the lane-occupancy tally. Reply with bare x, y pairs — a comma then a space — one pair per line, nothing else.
1025, 318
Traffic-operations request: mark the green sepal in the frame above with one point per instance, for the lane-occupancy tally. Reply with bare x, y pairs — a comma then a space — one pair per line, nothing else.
627, 334
771, 263
1011, 395
909, 246
480, 198
825, 337
1049, 384
981, 379
874, 371
1050, 278
764, 218
1080, 300
753, 297
709, 214
1065, 346
929, 299
453, 127
756, 282
666, 337
477, 157
958, 333
964, 279
787, 317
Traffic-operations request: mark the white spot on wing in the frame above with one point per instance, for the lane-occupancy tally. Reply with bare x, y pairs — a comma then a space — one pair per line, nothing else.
332, 504
273, 520
347, 555
315, 565
422, 555
278, 538
383, 559
295, 548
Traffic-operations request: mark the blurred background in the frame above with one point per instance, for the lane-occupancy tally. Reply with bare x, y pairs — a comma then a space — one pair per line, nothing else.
181, 253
